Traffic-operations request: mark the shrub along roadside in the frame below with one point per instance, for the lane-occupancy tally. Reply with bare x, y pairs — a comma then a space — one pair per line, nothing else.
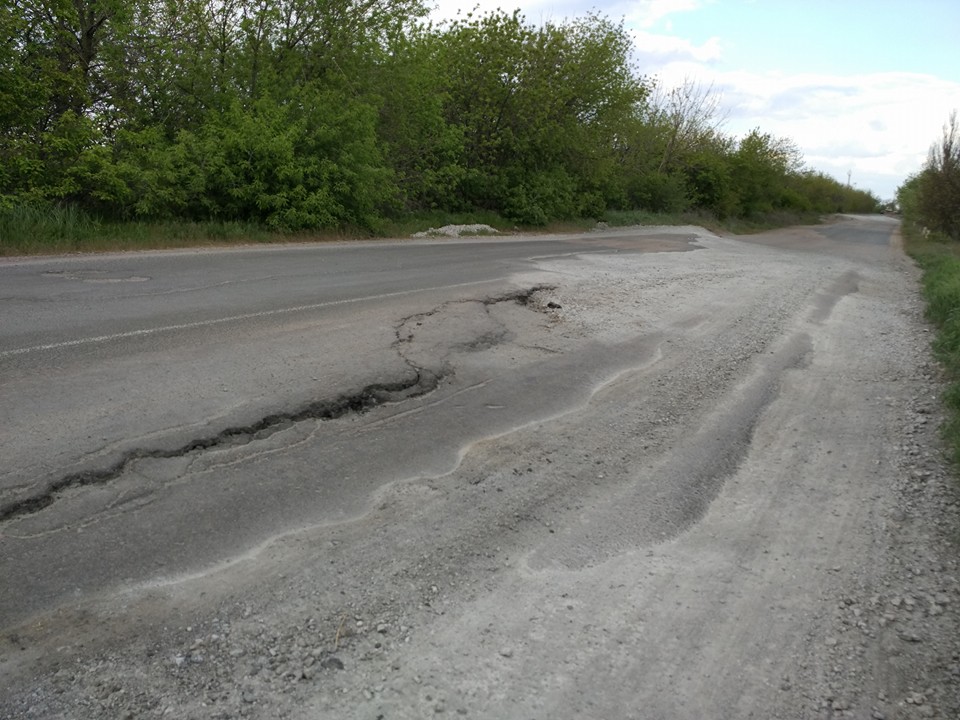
282, 116
939, 258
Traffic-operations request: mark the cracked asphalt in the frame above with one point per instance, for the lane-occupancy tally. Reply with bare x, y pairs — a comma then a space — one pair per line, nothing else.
108, 378
556, 477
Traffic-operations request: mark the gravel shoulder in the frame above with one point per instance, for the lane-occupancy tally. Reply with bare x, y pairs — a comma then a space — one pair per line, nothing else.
737, 509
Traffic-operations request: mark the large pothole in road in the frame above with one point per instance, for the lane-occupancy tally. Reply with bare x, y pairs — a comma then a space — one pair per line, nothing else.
507, 326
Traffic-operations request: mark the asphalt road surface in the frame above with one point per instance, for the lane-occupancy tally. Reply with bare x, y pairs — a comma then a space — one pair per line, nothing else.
638, 473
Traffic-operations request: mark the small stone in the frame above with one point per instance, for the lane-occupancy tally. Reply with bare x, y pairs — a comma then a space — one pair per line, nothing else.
831, 642
382, 628
331, 663
506, 652
877, 715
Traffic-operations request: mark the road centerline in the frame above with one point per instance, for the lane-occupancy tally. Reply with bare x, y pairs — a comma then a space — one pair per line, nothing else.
220, 321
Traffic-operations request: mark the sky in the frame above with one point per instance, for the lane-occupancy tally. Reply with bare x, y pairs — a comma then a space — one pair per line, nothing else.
862, 87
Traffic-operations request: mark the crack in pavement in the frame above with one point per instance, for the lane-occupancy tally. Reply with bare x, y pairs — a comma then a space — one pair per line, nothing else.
358, 402
421, 382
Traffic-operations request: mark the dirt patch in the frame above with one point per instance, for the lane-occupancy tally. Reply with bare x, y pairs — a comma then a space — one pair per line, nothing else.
455, 231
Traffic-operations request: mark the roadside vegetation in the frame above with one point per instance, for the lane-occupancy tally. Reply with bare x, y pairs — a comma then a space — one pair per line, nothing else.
137, 123
930, 204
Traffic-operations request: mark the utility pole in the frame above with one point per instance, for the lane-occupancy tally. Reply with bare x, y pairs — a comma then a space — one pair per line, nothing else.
849, 173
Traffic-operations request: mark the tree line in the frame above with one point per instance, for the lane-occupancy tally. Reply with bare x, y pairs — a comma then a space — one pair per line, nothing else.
298, 114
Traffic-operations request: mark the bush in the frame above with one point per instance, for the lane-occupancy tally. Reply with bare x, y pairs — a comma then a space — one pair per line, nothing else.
659, 192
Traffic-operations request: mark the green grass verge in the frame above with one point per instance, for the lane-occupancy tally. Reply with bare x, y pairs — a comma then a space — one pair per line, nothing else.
939, 258
31, 230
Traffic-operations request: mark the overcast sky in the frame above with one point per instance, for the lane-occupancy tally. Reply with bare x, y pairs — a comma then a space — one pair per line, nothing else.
862, 86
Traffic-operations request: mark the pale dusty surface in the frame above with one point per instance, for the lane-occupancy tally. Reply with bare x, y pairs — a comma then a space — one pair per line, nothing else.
457, 231
728, 502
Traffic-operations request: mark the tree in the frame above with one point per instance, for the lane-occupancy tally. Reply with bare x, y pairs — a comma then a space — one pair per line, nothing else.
688, 117
939, 184
539, 110
762, 165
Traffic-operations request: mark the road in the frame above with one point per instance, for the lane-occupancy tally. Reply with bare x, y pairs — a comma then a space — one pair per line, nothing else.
646, 473
111, 358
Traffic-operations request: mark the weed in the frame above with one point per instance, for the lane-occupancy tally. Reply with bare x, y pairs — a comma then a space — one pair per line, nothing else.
939, 258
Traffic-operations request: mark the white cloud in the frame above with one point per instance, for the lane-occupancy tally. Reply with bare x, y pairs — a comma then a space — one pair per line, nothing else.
877, 126
636, 13
648, 13
654, 51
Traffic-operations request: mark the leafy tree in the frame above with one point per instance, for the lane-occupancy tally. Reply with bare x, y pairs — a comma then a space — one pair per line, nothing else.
688, 118
539, 110
424, 151
761, 166
295, 114
938, 191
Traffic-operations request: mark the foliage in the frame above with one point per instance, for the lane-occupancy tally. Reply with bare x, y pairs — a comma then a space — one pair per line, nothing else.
939, 258
930, 204
537, 110
938, 186
931, 198
293, 116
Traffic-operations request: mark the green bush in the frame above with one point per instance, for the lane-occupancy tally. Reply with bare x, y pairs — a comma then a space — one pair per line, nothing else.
659, 193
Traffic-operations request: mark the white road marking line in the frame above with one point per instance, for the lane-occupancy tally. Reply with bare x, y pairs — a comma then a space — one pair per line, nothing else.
220, 321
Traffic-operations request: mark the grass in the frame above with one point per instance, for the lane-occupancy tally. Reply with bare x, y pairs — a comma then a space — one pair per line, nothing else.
939, 259
33, 230
29, 230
